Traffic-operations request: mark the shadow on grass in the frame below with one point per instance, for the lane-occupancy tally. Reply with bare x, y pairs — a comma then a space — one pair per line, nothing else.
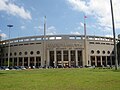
2, 73
104, 70
116, 70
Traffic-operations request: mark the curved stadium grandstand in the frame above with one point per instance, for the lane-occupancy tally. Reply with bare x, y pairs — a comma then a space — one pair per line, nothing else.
58, 51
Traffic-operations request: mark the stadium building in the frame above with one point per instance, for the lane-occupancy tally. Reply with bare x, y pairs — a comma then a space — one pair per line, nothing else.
57, 51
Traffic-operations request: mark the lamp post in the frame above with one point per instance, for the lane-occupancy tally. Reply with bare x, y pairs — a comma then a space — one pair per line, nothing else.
44, 54
9, 26
115, 45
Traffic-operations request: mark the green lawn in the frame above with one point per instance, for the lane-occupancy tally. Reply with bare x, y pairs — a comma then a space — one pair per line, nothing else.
60, 79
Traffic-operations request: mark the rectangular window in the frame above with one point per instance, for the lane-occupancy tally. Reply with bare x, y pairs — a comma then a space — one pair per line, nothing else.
65, 55
91, 42
58, 55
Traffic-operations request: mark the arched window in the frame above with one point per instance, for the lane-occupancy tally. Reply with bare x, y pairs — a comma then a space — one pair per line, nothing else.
10, 54
26, 53
98, 52
31, 52
112, 52
92, 51
20, 53
38, 52
103, 52
15, 53
108, 52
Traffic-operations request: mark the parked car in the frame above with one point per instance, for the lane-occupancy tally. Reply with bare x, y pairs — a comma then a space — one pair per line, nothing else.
11, 68
0, 68
4, 68
22, 67
17, 68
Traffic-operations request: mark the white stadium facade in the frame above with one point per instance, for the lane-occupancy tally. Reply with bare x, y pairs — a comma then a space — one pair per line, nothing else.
57, 51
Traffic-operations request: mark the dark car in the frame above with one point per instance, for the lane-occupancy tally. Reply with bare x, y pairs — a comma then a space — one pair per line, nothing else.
17, 68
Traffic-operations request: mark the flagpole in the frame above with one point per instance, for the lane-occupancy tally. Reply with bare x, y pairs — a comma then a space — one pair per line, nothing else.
85, 40
85, 26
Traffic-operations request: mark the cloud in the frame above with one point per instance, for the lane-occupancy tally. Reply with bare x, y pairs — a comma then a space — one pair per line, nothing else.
11, 8
39, 28
109, 35
78, 28
22, 27
51, 30
81, 24
100, 9
3, 35
76, 33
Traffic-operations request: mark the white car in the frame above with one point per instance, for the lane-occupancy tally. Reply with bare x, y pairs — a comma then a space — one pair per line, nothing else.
7, 68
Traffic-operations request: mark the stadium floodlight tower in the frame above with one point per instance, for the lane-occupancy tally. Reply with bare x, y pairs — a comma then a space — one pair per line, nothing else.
9, 26
115, 45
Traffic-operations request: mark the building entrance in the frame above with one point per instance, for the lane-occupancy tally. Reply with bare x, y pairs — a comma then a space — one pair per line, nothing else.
65, 58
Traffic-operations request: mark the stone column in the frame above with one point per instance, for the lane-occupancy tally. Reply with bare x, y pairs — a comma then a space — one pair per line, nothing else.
23, 61
83, 58
62, 58
69, 57
76, 57
101, 60
48, 58
35, 61
42, 61
95, 61
55, 60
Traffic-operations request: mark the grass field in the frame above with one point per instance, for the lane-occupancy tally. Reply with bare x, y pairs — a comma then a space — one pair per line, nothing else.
60, 79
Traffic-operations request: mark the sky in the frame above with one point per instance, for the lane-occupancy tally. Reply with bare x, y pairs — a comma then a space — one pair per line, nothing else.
62, 17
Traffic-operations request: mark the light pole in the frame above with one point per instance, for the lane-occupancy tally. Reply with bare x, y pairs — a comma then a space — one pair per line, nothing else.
115, 45
44, 51
9, 26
